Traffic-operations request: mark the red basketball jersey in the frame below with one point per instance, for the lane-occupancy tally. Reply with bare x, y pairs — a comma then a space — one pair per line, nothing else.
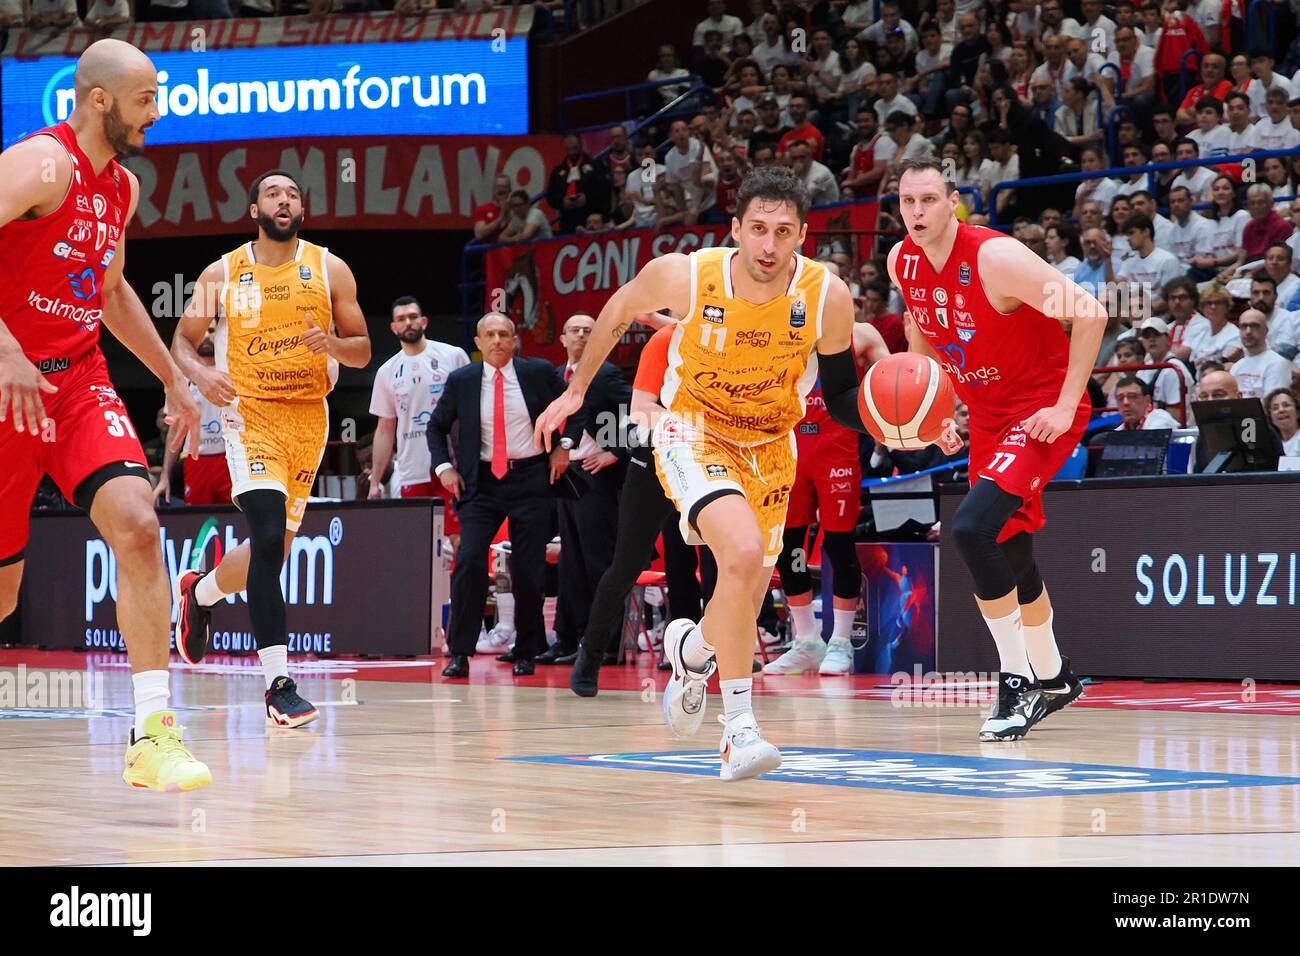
1005, 366
52, 267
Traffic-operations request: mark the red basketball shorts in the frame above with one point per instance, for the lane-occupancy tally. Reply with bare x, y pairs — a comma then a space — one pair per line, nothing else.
434, 489
827, 483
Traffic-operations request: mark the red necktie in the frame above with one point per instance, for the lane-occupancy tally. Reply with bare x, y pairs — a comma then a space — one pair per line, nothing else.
568, 374
500, 456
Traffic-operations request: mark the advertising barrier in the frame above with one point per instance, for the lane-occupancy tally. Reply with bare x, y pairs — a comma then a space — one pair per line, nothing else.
358, 580
1193, 577
421, 88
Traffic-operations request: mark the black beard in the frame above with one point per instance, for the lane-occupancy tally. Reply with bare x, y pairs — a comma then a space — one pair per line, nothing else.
206, 349
412, 335
273, 230
117, 132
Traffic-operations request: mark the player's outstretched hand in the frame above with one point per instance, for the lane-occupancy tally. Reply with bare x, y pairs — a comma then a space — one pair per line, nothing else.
556, 414
20, 392
215, 385
950, 442
1049, 424
181, 413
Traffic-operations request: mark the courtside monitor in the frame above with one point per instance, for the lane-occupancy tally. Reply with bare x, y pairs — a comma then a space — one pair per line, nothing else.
1133, 453
1235, 436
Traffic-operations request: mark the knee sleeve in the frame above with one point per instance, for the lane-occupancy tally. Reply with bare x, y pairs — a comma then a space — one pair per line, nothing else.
839, 549
795, 578
976, 526
265, 511
1020, 552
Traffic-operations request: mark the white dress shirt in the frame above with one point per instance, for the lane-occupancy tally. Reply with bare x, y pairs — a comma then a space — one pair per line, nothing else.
586, 445
519, 424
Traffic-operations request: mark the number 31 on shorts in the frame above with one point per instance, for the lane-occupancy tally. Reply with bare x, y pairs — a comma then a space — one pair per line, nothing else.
119, 426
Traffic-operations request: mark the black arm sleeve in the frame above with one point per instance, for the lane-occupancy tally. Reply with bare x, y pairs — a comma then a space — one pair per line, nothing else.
839, 374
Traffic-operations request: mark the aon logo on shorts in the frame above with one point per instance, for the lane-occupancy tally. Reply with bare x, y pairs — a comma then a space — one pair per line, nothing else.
841, 472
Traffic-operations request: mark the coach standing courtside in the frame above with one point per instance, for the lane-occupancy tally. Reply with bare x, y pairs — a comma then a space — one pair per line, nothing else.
505, 475
589, 525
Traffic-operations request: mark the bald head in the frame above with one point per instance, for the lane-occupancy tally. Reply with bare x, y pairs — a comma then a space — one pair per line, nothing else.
116, 90
114, 66
1219, 386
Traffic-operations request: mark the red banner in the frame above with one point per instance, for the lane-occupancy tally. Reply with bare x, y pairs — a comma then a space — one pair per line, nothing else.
199, 35
378, 182
541, 284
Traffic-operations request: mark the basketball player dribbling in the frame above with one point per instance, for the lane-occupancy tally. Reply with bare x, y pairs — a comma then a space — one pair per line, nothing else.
287, 317
989, 311
828, 490
65, 201
740, 368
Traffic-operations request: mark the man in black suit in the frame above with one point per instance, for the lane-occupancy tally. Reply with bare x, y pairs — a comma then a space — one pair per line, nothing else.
503, 474
589, 525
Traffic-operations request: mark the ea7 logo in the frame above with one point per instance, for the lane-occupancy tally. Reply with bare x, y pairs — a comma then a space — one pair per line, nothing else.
918, 294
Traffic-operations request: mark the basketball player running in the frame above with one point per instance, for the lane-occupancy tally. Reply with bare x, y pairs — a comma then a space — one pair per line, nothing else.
65, 202
989, 311
406, 389
740, 368
207, 479
278, 301
827, 489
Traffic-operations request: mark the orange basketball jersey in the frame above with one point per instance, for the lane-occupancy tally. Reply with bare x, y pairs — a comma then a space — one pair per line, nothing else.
741, 370
262, 313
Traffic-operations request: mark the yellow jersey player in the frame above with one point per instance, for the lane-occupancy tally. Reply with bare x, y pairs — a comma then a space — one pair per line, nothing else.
287, 317
740, 366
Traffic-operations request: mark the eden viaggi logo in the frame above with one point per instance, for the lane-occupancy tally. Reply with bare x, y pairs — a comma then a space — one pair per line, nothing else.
76, 909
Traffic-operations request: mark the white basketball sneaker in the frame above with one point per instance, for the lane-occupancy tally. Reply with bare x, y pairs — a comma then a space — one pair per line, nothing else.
686, 695
803, 655
496, 641
838, 659
743, 751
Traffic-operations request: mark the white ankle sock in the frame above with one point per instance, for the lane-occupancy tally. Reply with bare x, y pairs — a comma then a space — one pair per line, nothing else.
152, 692
275, 662
803, 621
843, 628
696, 651
1044, 655
506, 610
1009, 636
737, 698
206, 591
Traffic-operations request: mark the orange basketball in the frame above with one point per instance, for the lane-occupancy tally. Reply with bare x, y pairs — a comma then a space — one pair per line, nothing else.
904, 400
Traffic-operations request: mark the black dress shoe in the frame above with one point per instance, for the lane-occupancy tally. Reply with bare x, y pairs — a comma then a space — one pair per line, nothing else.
507, 658
586, 669
555, 654
524, 667
457, 667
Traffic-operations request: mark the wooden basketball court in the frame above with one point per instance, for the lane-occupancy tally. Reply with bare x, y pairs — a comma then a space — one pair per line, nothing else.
403, 768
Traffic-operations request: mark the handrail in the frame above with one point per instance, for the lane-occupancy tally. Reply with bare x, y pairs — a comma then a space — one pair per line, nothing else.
694, 81
1150, 168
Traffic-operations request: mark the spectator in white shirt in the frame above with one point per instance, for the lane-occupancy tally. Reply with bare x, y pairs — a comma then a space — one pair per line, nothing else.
718, 19
1281, 404
1261, 370
1150, 267
107, 14
890, 18
641, 187
945, 18
754, 29
1191, 235
527, 222
1007, 168
1243, 137
1136, 411
1274, 131
1139, 62
1081, 62
1283, 334
690, 165
1097, 26
890, 99
1052, 22
1186, 325
1144, 204
823, 75
859, 15
1261, 64
1100, 189
816, 177
1277, 266
1276, 177
668, 70
59, 14
1064, 251
1196, 179
902, 142
1053, 66
1170, 387
1076, 120
1220, 341
773, 50
1229, 221
1212, 135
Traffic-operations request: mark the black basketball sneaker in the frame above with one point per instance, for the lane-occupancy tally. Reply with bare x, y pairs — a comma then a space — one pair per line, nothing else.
193, 620
1019, 707
284, 708
1061, 691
